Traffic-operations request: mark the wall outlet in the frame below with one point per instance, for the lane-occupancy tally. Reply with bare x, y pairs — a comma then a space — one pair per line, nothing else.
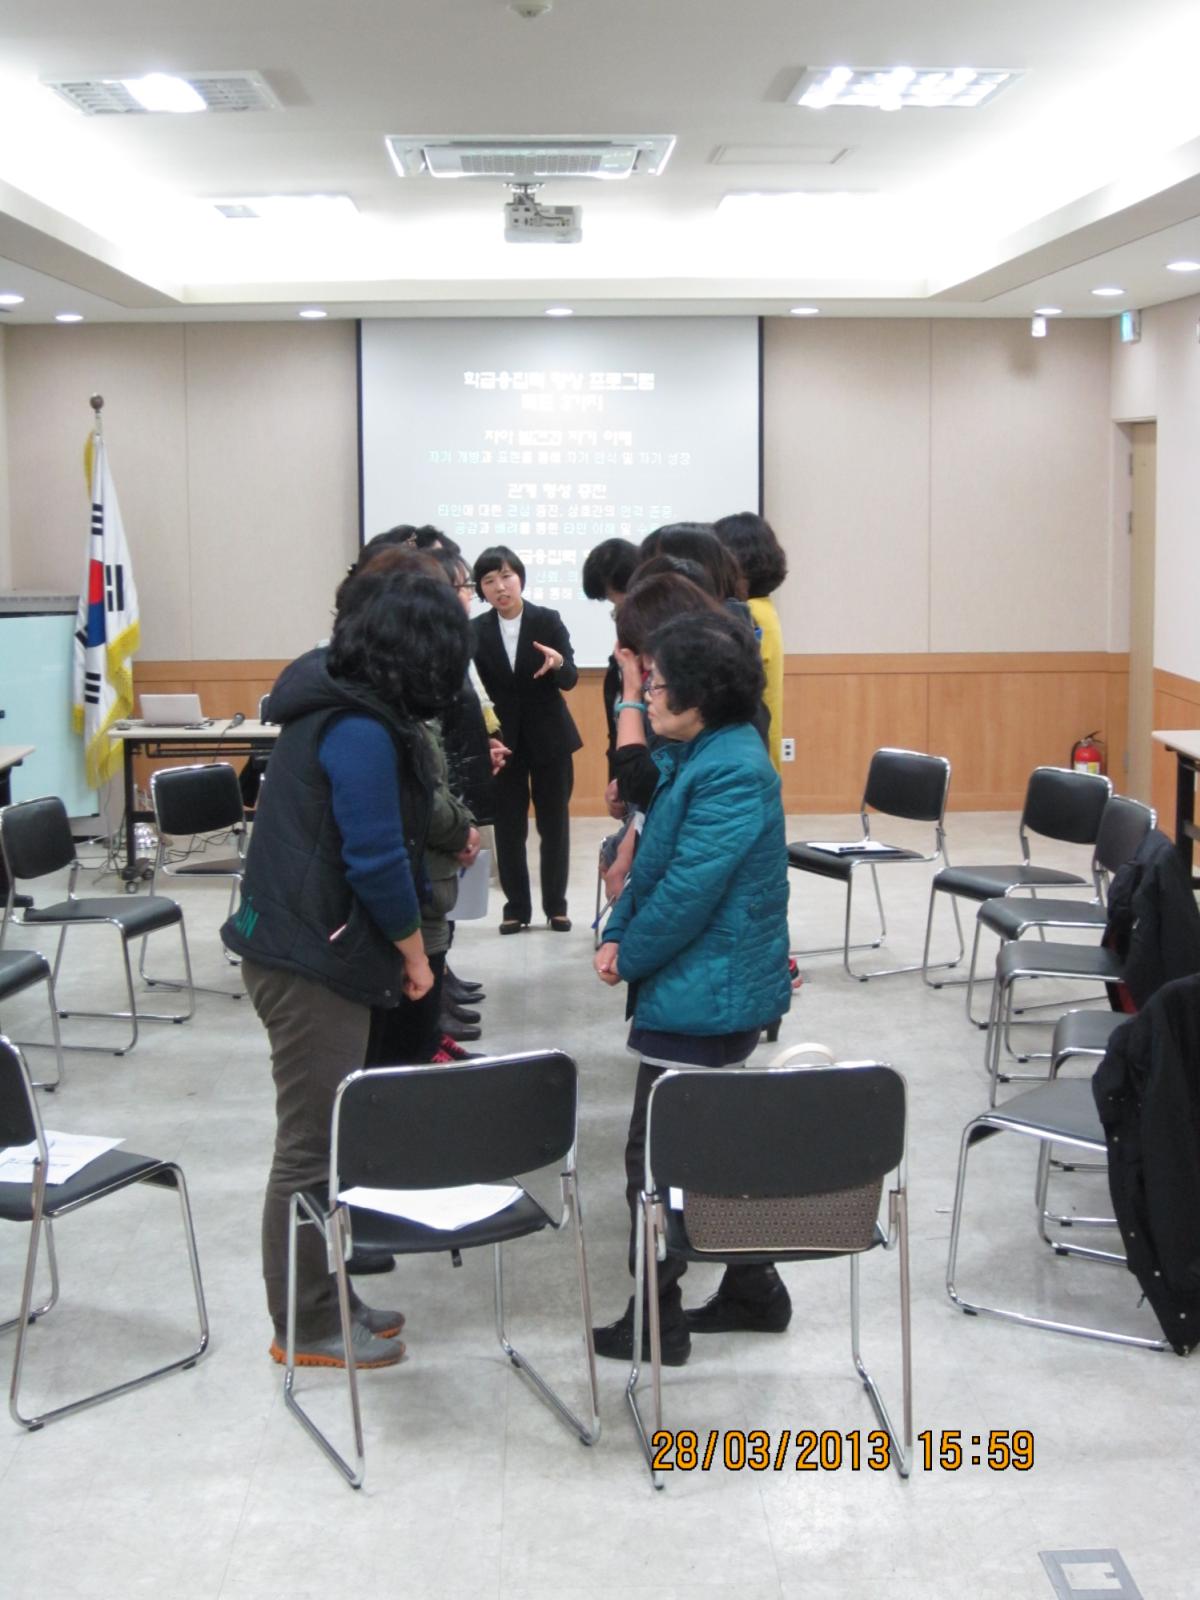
789, 749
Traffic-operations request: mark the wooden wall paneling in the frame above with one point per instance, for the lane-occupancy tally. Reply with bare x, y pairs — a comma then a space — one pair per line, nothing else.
996, 727
837, 720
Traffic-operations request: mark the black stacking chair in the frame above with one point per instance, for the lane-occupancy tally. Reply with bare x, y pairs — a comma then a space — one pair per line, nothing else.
196, 803
1060, 804
487, 1121
900, 783
40, 1205
779, 1165
35, 837
1057, 1114
20, 970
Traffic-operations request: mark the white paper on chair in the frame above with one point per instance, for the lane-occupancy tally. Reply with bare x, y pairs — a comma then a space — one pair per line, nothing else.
448, 1209
856, 847
69, 1154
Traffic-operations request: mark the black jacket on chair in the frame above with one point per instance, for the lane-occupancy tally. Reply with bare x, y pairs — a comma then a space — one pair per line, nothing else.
1153, 923
1147, 1091
534, 721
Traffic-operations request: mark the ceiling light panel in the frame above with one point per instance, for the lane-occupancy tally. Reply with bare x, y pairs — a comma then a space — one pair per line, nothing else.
530, 160
112, 96
893, 88
303, 208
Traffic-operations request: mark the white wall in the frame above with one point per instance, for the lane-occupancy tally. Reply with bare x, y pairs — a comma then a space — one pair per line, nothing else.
234, 453
5, 523
940, 486
1160, 378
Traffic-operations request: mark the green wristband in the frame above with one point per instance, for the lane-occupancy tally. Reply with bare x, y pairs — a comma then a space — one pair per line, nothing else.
630, 705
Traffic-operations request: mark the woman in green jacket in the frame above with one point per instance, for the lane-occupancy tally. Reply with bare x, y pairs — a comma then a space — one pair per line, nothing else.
700, 933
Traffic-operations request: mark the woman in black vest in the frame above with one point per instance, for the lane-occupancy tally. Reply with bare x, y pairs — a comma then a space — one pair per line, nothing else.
524, 659
329, 923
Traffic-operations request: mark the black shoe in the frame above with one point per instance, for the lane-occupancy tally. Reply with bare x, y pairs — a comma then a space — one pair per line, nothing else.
513, 925
616, 1342
462, 1032
455, 982
461, 992
723, 1314
363, 1261
459, 1013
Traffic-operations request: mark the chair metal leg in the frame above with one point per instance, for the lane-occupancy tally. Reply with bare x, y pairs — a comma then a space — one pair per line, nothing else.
975, 1131
926, 969
152, 982
337, 1240
27, 1316
921, 966
133, 1016
587, 1432
49, 1084
902, 1445
645, 1286
1046, 1217
51, 1300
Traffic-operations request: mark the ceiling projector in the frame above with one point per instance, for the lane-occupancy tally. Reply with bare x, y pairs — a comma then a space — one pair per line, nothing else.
528, 222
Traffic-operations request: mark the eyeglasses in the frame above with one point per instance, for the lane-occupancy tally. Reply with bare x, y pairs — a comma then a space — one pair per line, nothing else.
655, 688
465, 588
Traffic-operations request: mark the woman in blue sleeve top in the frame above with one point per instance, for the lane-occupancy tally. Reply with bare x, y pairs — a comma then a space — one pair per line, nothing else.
329, 923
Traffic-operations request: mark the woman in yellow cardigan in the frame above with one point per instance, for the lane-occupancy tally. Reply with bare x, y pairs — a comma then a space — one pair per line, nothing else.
751, 540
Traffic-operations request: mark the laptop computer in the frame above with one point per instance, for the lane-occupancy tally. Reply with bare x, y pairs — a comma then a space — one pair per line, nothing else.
170, 710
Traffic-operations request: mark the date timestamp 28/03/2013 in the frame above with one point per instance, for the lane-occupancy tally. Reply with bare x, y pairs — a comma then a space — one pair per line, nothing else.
829, 1450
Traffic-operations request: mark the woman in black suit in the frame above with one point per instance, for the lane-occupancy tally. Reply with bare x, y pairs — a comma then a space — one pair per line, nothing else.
524, 658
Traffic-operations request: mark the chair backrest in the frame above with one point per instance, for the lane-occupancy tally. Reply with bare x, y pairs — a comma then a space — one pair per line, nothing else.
426, 1127
19, 1120
1063, 804
905, 783
1123, 826
35, 837
793, 1158
197, 799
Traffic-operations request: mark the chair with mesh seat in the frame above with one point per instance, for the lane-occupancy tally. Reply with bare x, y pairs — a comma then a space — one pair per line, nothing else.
21, 970
35, 837
903, 784
1057, 1114
1060, 804
198, 803
40, 1203
781, 1165
493, 1120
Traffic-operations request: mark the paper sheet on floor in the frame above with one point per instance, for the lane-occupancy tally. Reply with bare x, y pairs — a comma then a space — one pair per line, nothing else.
437, 1208
69, 1154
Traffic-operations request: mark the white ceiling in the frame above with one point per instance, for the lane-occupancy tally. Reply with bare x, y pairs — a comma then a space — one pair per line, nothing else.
1084, 170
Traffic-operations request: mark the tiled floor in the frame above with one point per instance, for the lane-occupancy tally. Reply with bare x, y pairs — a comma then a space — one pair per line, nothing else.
202, 1486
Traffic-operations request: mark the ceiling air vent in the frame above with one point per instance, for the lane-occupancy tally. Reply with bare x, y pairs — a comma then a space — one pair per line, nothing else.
529, 160
220, 91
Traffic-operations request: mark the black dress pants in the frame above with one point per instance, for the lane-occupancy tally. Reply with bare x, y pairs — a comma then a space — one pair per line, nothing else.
549, 785
751, 1282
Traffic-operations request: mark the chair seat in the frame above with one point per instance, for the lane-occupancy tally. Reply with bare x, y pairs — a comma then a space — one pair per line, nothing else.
230, 867
1085, 1032
826, 865
19, 969
136, 914
679, 1244
374, 1230
108, 1172
1045, 958
1063, 1109
1010, 915
987, 882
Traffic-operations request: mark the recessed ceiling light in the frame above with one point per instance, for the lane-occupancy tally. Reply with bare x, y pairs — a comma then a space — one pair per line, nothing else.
559, 311
1047, 311
1183, 266
69, 316
12, 299
321, 208
805, 311
1108, 291
892, 88
162, 91
312, 313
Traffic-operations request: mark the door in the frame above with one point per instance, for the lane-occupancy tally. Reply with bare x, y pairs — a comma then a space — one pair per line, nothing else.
1143, 438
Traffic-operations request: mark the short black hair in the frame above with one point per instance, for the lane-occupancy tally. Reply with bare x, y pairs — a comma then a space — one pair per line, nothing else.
653, 600
709, 662
452, 562
696, 541
754, 545
492, 559
404, 635
609, 566
381, 556
680, 566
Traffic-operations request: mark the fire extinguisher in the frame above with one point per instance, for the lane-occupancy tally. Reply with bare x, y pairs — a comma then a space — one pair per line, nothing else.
1087, 754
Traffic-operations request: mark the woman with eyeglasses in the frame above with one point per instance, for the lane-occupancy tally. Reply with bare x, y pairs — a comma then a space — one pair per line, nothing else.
700, 933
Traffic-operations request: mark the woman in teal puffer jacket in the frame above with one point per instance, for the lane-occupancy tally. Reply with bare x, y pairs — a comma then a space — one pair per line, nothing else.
700, 932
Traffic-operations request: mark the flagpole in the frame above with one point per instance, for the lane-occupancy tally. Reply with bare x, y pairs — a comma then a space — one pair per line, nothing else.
97, 404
